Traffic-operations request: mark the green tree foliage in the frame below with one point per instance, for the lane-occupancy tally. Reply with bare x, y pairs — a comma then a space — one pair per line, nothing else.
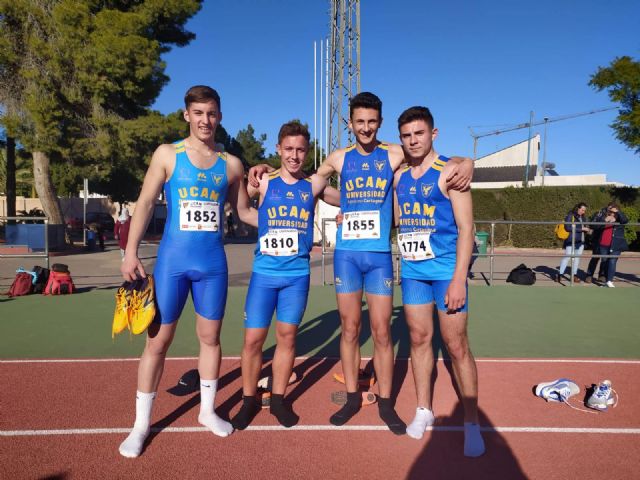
247, 147
73, 75
621, 79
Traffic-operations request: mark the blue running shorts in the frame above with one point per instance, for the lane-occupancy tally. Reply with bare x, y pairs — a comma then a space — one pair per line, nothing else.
354, 269
287, 296
178, 272
420, 292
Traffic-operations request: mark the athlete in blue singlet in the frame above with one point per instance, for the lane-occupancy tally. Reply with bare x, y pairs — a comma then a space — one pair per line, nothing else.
280, 279
197, 180
435, 239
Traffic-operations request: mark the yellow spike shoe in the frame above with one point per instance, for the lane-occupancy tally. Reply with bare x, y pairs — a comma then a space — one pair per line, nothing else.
143, 309
121, 314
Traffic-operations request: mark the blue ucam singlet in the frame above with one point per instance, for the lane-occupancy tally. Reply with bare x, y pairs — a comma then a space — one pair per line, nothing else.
191, 255
424, 208
285, 219
195, 203
366, 201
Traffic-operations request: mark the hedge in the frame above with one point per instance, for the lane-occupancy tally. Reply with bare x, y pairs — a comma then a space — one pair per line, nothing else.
548, 204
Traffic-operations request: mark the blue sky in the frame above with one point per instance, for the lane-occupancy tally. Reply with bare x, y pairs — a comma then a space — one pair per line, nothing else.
472, 63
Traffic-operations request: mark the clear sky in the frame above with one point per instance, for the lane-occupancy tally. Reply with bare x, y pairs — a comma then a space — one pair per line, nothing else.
472, 63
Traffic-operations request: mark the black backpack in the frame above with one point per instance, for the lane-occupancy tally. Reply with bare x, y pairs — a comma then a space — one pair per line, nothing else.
522, 275
42, 277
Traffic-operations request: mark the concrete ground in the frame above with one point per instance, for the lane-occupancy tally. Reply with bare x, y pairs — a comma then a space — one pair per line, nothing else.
101, 269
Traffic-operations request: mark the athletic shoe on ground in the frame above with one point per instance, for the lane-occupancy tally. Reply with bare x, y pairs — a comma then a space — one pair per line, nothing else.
588, 279
364, 379
602, 278
143, 306
601, 398
558, 390
121, 314
266, 383
610, 285
340, 398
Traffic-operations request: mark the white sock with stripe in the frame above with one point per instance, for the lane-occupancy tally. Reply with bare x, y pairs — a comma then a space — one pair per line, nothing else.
132, 446
208, 417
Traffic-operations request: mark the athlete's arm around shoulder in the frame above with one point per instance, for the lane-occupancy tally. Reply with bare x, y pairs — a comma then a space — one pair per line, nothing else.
160, 168
332, 164
319, 185
237, 193
461, 173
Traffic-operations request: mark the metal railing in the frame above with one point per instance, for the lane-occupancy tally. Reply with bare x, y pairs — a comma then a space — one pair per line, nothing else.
491, 254
45, 253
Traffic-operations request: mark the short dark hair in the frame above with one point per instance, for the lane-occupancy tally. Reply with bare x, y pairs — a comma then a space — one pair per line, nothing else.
416, 113
613, 205
293, 129
201, 94
365, 100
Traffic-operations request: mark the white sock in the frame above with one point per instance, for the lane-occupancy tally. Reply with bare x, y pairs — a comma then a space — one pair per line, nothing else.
424, 418
208, 417
473, 442
132, 446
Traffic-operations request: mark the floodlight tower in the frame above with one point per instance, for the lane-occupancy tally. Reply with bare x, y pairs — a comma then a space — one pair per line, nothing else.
344, 66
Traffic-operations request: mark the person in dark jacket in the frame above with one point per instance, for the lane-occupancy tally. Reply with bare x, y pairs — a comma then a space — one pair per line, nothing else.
611, 239
574, 245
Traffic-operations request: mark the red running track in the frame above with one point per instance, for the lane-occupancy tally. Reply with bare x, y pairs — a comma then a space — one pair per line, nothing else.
49, 414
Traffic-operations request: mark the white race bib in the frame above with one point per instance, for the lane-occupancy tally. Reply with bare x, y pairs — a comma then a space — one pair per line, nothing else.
363, 225
280, 242
198, 216
415, 246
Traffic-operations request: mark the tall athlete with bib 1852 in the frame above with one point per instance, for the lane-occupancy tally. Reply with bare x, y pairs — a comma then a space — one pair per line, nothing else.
435, 238
280, 278
197, 180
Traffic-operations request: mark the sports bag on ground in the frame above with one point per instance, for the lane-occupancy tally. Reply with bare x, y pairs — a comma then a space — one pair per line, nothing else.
522, 275
59, 283
22, 285
60, 267
42, 277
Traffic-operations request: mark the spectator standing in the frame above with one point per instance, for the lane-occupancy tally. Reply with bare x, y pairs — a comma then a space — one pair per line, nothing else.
121, 230
574, 244
595, 249
612, 241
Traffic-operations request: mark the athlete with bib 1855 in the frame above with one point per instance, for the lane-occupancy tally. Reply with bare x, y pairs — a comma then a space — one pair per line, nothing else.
197, 180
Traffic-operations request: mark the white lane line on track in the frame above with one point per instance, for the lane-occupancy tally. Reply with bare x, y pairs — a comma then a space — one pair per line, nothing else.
478, 360
308, 428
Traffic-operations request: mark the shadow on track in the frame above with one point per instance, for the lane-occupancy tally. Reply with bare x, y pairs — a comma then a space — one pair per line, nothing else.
442, 456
